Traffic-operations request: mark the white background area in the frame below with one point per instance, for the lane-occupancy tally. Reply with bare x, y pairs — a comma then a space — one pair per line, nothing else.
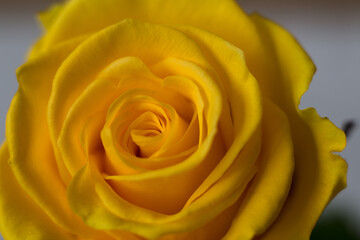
329, 30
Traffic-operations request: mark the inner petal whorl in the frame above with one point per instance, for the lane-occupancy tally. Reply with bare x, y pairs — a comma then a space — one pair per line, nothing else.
147, 134
147, 128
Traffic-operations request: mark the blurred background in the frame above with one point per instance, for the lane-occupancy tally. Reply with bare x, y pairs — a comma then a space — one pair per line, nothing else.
329, 30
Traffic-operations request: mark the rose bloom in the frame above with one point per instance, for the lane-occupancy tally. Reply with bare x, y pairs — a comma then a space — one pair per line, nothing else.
160, 119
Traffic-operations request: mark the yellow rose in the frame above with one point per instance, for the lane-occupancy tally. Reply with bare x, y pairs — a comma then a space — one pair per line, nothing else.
161, 119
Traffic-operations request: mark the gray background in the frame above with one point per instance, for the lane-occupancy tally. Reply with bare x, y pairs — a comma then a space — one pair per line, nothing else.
328, 29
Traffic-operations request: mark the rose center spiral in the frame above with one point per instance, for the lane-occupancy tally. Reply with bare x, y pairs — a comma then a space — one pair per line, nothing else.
147, 134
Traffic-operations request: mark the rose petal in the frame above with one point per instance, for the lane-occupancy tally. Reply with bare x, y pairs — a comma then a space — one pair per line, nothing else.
318, 174
286, 69
243, 97
103, 214
100, 93
218, 17
81, 197
14, 202
31, 152
269, 189
123, 39
216, 228
47, 18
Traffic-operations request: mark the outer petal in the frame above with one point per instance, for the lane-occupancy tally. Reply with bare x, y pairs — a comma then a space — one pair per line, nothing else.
284, 70
49, 17
318, 174
216, 16
269, 189
21, 217
224, 18
47, 20
31, 152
